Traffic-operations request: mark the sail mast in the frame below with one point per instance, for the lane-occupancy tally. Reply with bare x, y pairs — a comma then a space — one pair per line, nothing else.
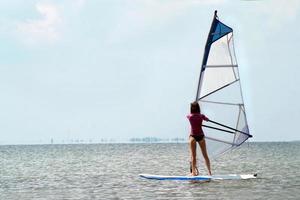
206, 52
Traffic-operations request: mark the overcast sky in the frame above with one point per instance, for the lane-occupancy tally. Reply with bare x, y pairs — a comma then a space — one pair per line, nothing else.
87, 69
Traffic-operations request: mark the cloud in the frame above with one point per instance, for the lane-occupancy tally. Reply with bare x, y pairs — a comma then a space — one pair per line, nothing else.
79, 3
152, 13
46, 29
76, 4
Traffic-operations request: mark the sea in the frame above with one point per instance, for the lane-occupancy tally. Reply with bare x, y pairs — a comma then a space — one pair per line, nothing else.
111, 171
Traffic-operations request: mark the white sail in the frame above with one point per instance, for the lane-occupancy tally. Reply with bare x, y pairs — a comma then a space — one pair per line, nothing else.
219, 92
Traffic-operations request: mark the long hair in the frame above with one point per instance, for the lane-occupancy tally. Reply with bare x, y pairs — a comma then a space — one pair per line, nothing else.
195, 108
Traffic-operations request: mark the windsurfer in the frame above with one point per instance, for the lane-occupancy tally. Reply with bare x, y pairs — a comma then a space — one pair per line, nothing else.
197, 135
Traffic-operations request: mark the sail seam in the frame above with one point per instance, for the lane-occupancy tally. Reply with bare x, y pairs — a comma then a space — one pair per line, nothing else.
216, 102
217, 66
218, 89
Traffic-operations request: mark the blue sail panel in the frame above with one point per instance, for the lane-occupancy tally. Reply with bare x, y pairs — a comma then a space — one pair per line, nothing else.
220, 31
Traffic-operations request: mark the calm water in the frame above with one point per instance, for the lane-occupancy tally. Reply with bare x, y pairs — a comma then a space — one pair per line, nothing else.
110, 171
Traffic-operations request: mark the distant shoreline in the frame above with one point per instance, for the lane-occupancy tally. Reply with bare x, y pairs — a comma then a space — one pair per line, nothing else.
128, 142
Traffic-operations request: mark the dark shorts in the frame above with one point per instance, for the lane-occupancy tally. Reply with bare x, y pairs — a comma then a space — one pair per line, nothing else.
198, 138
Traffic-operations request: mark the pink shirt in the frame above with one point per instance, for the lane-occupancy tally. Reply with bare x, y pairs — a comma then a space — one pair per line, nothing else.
196, 123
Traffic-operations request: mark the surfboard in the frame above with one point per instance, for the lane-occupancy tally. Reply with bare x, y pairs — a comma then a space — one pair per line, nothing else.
200, 178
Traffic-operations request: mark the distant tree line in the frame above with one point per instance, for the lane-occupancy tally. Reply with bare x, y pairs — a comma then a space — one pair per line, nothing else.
111, 140
156, 140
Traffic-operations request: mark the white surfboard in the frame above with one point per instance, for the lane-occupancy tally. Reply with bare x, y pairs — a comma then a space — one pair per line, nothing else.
200, 178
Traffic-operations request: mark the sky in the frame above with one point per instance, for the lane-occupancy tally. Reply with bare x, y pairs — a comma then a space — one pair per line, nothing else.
84, 69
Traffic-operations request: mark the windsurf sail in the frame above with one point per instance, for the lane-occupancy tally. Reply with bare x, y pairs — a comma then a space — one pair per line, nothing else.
219, 92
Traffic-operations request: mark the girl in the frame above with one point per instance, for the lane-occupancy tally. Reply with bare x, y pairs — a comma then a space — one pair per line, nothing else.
197, 135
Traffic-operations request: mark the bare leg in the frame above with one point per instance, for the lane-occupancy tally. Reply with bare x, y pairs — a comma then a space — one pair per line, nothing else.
192, 143
202, 144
